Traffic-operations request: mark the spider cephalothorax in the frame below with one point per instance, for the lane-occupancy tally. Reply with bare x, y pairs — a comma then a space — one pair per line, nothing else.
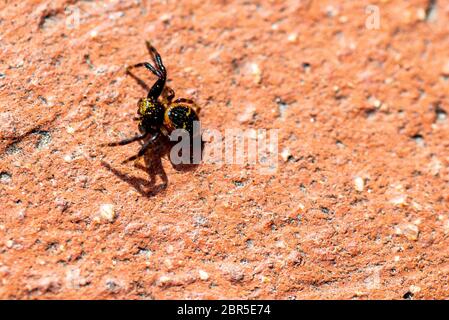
159, 113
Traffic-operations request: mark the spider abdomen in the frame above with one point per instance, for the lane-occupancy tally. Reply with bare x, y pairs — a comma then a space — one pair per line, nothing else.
180, 116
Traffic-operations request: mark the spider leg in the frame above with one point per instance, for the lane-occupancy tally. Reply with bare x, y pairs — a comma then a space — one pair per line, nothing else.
184, 100
159, 71
156, 89
125, 141
156, 57
168, 94
147, 65
158, 86
144, 148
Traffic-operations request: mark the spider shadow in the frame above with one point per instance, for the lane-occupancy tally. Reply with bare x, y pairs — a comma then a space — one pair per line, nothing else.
154, 168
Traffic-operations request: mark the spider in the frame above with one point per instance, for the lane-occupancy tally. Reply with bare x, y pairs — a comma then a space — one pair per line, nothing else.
159, 113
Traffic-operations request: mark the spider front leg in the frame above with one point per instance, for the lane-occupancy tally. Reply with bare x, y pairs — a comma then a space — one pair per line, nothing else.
156, 57
126, 141
144, 148
158, 86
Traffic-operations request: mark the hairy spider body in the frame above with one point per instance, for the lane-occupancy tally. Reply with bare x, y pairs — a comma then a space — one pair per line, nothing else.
151, 113
180, 116
158, 113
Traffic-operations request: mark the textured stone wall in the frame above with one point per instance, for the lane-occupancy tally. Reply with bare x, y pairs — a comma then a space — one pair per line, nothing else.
357, 208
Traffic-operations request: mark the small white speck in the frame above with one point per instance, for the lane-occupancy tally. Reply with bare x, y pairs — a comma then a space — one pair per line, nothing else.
107, 212
203, 275
116, 15
285, 154
165, 17
343, 19
399, 201
375, 102
292, 37
9, 244
164, 279
421, 14
414, 289
255, 71
93, 33
70, 130
191, 91
389, 80
359, 184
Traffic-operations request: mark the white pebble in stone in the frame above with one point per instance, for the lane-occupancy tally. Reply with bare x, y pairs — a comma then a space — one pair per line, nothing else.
292, 37
93, 33
203, 275
285, 154
9, 244
359, 184
70, 130
107, 212
164, 280
414, 289
255, 71
399, 201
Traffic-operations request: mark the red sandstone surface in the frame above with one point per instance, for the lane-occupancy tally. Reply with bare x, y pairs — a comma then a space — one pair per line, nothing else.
357, 208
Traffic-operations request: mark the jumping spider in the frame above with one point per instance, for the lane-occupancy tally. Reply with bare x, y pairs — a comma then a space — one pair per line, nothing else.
158, 113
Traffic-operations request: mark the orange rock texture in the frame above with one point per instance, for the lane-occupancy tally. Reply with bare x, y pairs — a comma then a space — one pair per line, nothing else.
356, 209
